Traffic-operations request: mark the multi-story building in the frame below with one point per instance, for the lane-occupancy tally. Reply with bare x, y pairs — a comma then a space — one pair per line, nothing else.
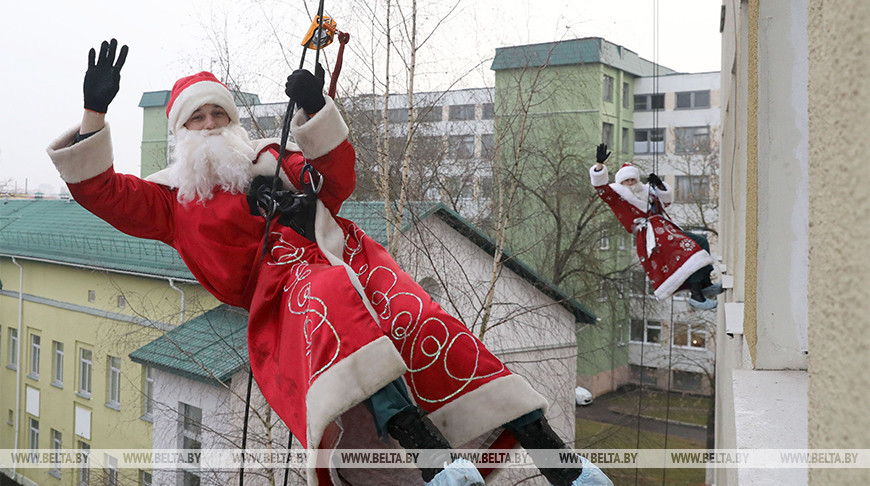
77, 298
676, 135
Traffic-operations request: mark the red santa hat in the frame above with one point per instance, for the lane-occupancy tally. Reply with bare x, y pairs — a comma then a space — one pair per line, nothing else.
191, 92
627, 171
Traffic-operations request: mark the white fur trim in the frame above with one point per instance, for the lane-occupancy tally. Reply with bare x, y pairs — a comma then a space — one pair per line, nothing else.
695, 262
487, 408
321, 133
598, 178
627, 194
345, 384
196, 95
81, 161
625, 173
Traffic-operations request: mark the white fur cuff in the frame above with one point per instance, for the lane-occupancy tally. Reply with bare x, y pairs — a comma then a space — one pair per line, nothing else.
321, 133
81, 161
598, 178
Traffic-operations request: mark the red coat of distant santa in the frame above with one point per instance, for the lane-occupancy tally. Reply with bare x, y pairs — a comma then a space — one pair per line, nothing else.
667, 255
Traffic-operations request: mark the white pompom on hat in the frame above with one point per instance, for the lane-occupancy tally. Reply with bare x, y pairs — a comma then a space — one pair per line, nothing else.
627, 171
191, 92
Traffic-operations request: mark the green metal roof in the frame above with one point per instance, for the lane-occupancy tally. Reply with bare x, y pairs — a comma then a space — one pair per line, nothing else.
151, 99
62, 231
212, 346
589, 50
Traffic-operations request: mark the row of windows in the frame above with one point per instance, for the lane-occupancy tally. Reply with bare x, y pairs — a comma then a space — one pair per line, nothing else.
685, 100
608, 91
459, 147
688, 335
84, 473
84, 375
435, 113
687, 140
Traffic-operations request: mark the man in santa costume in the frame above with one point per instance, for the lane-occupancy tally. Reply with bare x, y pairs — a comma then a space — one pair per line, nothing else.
337, 331
673, 260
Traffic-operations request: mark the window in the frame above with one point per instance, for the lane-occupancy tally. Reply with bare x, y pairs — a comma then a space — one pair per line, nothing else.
13, 347
57, 363
85, 364
122, 302
488, 111
145, 478
622, 241
639, 283
626, 94
687, 381
398, 115
486, 146
605, 241
690, 335
647, 102
111, 470
649, 333
430, 113
33, 434
461, 146
114, 382
92, 295
462, 112
57, 446
626, 140
645, 375
692, 188
85, 469
649, 140
690, 140
34, 355
433, 288
607, 133
607, 90
693, 99
148, 396
191, 427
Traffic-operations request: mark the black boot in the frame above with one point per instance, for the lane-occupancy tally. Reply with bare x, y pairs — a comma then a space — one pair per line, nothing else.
413, 430
537, 437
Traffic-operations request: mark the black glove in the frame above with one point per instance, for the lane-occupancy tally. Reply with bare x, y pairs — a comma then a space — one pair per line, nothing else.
602, 154
654, 180
306, 89
103, 77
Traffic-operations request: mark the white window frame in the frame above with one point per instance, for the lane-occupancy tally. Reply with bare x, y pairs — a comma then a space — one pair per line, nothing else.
148, 395
32, 433
648, 99
461, 147
85, 467
693, 99
86, 368
648, 325
113, 382
691, 330
604, 242
111, 470
644, 143
607, 88
698, 139
35, 347
57, 364
57, 447
13, 348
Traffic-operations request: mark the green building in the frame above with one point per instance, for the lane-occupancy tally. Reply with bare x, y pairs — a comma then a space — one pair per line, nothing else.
554, 103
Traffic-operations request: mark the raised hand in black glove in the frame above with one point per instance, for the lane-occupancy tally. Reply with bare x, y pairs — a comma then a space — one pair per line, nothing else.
103, 77
602, 154
306, 89
655, 181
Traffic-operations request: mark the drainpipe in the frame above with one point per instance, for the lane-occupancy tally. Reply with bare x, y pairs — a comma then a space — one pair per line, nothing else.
172, 285
19, 364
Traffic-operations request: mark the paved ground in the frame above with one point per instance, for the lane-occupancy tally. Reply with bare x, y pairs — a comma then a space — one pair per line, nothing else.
599, 411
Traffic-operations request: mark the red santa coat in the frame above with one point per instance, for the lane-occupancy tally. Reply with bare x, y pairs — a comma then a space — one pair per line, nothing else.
667, 255
316, 347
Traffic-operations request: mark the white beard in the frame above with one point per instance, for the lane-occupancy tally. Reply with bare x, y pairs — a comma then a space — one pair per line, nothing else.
640, 190
205, 159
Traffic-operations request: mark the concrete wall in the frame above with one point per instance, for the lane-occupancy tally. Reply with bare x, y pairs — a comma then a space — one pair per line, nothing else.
839, 80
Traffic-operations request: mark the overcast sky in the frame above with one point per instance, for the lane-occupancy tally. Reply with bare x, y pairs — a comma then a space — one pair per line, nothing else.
44, 45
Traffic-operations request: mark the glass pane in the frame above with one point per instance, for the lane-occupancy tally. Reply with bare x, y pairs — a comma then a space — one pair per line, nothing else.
702, 99
681, 334
684, 100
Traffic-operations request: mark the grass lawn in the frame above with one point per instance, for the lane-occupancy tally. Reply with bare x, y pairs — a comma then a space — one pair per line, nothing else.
597, 435
681, 408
